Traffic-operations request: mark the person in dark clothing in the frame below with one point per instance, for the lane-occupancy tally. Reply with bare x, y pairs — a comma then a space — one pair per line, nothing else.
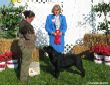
26, 43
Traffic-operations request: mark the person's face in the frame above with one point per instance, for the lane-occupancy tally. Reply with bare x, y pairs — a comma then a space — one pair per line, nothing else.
29, 20
56, 11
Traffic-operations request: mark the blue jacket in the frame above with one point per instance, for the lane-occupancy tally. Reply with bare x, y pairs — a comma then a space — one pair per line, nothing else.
50, 27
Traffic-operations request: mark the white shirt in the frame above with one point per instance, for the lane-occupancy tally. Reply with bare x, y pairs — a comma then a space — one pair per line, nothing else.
57, 22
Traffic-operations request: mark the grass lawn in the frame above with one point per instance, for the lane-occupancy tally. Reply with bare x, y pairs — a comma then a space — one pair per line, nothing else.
95, 74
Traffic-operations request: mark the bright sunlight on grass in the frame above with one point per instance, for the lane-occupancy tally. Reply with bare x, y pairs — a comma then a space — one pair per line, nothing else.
95, 74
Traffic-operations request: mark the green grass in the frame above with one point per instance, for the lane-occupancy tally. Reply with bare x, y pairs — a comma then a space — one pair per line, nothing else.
95, 73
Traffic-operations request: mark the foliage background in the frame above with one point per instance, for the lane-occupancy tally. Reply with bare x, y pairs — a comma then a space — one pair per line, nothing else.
9, 19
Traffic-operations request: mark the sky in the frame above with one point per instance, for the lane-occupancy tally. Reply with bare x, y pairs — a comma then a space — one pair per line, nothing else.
5, 2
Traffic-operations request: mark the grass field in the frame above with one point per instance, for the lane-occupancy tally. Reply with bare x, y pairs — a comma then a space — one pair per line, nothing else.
95, 75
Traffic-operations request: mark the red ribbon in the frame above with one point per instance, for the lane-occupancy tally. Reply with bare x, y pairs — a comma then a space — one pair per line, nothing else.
57, 37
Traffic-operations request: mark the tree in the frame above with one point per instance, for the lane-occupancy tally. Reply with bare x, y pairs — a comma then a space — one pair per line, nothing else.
9, 18
103, 8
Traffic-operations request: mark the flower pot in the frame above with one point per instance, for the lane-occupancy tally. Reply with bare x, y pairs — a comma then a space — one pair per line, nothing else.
2, 66
107, 60
12, 63
98, 58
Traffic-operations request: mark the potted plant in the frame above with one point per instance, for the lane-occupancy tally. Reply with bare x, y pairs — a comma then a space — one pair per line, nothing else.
2, 62
101, 52
12, 59
101, 49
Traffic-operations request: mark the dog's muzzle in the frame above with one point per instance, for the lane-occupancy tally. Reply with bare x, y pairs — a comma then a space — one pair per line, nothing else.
46, 54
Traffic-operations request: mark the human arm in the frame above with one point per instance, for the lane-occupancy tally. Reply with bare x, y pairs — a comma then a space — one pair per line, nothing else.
48, 25
63, 26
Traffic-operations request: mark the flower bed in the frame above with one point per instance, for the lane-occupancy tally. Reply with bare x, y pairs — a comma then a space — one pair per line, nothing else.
2, 62
11, 45
10, 52
102, 54
11, 55
2, 58
101, 49
10, 59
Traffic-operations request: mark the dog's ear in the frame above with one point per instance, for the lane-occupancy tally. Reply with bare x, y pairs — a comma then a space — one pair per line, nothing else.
50, 47
44, 48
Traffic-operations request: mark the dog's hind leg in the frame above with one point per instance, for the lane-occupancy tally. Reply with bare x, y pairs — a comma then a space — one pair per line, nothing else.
79, 65
57, 72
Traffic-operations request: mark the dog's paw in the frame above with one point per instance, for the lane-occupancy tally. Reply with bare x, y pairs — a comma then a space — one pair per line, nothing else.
56, 76
83, 74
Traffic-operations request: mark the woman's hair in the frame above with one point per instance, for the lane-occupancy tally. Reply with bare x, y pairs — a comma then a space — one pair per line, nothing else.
29, 13
56, 6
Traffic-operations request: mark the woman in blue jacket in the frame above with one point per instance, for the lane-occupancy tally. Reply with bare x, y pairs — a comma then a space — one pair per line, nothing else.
56, 27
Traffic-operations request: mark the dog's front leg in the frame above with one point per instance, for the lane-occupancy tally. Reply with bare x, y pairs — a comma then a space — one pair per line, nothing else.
57, 71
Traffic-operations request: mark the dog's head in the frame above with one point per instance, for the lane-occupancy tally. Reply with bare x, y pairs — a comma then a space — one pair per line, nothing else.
50, 52
48, 49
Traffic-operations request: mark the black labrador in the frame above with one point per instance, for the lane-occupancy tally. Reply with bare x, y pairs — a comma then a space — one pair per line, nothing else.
60, 60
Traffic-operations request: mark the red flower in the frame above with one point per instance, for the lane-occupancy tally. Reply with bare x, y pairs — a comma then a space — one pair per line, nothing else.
10, 55
101, 49
2, 57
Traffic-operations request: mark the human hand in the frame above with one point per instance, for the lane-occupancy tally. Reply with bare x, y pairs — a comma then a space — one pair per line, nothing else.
60, 33
54, 33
